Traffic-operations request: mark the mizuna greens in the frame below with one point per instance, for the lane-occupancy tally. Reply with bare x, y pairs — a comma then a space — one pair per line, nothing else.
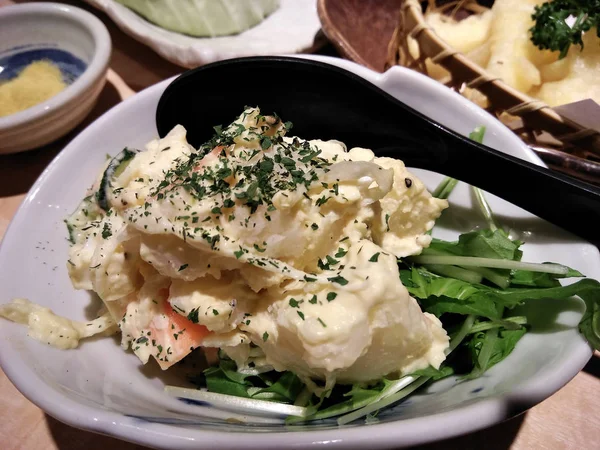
472, 285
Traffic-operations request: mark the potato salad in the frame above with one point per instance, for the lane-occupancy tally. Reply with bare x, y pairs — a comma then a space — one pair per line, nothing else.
300, 275
278, 251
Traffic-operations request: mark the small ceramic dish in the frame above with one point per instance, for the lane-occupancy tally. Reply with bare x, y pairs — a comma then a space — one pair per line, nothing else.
71, 38
292, 28
100, 387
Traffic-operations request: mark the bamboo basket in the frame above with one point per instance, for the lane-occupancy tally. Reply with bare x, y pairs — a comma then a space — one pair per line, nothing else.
562, 144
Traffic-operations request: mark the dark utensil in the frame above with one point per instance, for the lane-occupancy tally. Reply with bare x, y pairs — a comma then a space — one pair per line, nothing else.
326, 102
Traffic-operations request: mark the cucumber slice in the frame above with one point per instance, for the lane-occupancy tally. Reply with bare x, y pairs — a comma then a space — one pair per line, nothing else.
87, 212
71, 231
115, 167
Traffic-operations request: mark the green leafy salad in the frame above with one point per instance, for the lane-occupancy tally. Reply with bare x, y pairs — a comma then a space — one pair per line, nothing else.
472, 285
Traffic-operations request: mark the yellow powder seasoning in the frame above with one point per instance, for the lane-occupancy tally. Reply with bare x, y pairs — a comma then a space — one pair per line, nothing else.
36, 83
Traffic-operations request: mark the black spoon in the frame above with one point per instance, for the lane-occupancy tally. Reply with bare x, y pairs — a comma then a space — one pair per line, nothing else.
326, 102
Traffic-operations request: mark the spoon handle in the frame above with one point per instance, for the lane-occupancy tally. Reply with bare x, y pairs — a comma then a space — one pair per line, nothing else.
560, 199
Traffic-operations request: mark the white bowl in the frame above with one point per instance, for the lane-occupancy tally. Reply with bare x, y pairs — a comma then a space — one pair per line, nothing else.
41, 26
293, 28
101, 388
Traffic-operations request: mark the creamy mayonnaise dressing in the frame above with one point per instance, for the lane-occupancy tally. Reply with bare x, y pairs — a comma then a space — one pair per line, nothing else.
280, 251
47, 327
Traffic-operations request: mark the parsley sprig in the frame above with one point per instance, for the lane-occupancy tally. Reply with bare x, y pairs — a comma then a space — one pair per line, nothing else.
552, 30
281, 166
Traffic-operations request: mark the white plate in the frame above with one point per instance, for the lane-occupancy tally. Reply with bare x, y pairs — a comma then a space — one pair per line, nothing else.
292, 28
101, 388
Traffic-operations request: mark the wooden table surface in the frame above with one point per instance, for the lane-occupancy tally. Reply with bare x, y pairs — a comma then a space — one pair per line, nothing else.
570, 419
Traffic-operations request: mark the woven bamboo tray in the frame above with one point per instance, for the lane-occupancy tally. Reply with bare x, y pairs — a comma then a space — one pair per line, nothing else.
562, 144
